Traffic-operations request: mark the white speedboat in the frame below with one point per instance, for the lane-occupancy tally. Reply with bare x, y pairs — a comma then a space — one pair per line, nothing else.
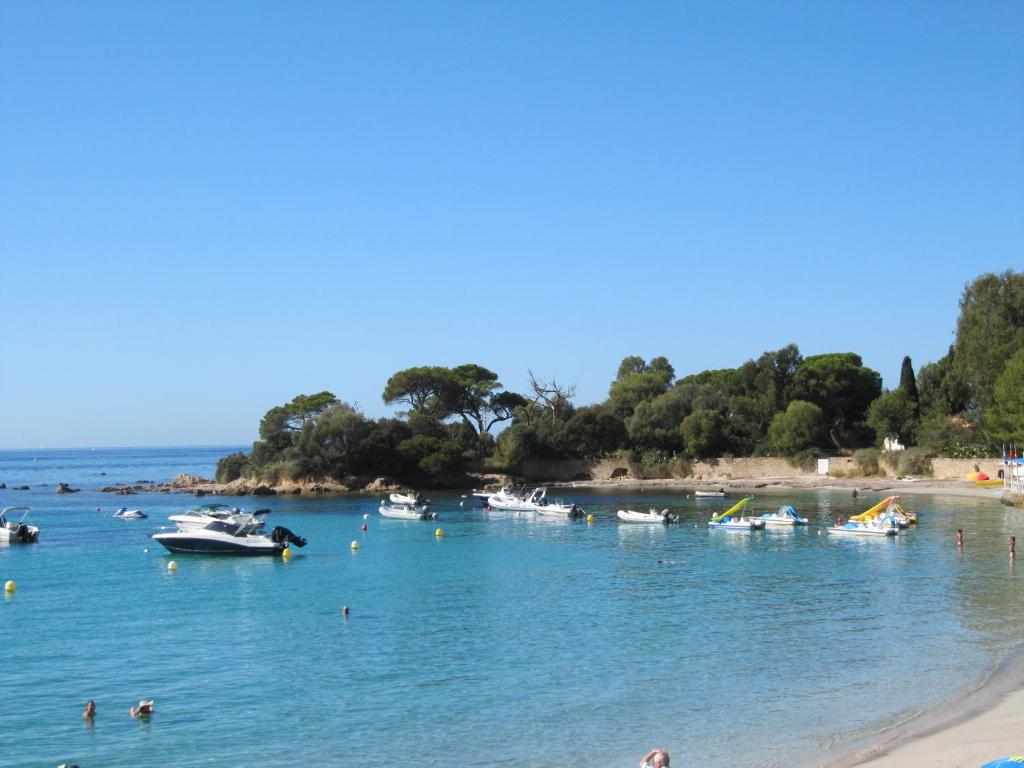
709, 494
554, 508
732, 520
653, 516
783, 517
406, 511
130, 514
220, 537
200, 517
412, 499
508, 501
19, 532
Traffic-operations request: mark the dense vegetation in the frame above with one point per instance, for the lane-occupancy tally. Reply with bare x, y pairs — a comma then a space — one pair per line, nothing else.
784, 404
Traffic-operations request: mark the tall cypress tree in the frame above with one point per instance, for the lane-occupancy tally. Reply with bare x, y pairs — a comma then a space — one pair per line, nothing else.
908, 382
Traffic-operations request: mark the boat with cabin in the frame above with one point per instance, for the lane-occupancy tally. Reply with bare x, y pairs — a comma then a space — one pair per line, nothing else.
228, 536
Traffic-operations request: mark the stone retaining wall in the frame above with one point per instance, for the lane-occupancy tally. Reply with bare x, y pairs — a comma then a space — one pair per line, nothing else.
714, 470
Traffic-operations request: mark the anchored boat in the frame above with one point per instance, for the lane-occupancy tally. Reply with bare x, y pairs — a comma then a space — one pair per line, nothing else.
17, 532
228, 537
732, 519
883, 519
406, 511
783, 517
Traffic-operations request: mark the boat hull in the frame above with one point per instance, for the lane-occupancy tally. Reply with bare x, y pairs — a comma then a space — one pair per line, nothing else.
629, 516
867, 532
186, 543
406, 514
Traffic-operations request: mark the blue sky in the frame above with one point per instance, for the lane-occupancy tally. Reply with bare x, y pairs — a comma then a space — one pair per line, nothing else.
206, 208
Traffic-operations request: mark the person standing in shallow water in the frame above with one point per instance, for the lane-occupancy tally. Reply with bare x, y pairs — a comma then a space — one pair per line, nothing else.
90, 710
656, 758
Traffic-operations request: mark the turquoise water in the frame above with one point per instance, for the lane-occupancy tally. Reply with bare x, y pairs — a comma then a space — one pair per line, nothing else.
509, 642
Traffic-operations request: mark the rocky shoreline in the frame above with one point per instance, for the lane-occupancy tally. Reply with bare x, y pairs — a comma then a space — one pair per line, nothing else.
201, 486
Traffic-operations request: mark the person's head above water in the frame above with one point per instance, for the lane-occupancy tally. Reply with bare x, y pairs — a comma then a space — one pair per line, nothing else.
656, 758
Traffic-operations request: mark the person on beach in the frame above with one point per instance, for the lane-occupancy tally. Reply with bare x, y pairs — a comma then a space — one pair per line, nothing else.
144, 708
656, 758
90, 710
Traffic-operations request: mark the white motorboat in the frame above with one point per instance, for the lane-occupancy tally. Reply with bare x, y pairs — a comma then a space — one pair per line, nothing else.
200, 517
783, 517
709, 494
556, 508
732, 520
406, 511
508, 501
653, 516
130, 514
19, 532
412, 499
222, 537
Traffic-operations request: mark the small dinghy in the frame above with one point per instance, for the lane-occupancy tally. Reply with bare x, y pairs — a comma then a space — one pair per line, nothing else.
709, 494
406, 511
130, 514
653, 516
732, 520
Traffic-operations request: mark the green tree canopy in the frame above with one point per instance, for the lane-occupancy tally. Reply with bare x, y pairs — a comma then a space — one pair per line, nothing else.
637, 382
421, 388
941, 388
894, 414
1004, 420
801, 426
989, 331
703, 434
842, 387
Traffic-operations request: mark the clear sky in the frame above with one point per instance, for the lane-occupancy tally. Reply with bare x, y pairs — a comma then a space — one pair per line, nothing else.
207, 208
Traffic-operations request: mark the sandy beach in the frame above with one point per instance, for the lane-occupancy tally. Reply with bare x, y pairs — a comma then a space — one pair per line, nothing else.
967, 732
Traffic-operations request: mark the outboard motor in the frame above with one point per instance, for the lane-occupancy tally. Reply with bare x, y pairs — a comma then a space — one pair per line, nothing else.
25, 534
281, 535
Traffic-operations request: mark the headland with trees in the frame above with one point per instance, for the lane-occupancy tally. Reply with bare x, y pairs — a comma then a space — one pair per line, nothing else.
456, 422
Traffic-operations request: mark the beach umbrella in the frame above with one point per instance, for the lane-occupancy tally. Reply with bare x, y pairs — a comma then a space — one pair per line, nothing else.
1016, 761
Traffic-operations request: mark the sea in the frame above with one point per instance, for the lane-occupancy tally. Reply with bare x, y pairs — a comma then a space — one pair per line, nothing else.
508, 641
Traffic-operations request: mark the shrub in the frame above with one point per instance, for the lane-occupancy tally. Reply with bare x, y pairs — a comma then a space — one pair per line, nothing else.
797, 430
806, 460
867, 461
232, 467
914, 461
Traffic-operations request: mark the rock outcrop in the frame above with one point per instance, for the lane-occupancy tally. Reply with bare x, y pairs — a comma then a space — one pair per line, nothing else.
65, 488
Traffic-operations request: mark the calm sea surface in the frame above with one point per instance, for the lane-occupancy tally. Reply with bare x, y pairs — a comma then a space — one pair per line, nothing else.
509, 642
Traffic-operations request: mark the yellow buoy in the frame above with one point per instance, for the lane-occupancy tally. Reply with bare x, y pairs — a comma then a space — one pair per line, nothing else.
286, 554
590, 519
9, 586
439, 532
172, 566
355, 545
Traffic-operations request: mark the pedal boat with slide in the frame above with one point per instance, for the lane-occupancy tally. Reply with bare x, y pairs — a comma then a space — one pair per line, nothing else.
733, 520
883, 519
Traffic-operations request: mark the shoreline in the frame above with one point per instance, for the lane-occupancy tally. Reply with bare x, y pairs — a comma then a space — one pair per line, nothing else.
970, 729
